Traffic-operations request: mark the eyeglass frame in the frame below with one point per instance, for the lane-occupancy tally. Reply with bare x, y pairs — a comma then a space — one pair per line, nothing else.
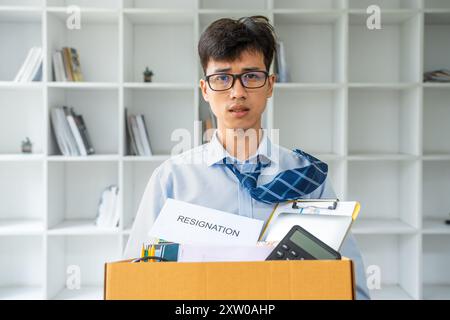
235, 76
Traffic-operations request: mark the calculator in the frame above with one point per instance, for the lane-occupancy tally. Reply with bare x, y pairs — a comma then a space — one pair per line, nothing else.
299, 244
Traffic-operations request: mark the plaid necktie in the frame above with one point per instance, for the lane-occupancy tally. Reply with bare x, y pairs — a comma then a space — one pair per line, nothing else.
287, 185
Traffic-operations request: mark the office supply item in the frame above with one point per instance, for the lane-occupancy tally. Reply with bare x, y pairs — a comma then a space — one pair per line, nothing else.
207, 253
166, 251
299, 244
314, 215
186, 223
152, 252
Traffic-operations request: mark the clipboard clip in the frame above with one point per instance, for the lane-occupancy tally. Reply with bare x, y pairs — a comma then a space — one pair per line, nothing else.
330, 204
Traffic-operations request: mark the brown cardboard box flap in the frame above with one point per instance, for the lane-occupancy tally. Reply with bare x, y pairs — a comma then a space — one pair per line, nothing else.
307, 279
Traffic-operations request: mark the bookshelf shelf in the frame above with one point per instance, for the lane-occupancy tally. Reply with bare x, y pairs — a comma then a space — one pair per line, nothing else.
80, 227
83, 85
160, 5
86, 4
357, 93
69, 251
374, 85
386, 4
314, 54
382, 56
435, 266
435, 226
35, 85
21, 227
436, 292
390, 292
387, 253
307, 86
37, 4
159, 86
85, 293
382, 226
146, 158
381, 157
308, 5
19, 280
20, 14
21, 157
89, 158
307, 103
233, 4
74, 192
394, 182
21, 293
398, 110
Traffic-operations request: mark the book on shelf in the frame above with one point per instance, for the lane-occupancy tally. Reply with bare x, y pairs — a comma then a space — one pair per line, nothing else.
441, 75
281, 68
108, 215
138, 137
66, 65
129, 135
31, 69
70, 132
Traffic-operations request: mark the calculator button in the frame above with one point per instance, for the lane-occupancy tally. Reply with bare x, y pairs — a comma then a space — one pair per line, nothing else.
285, 247
280, 254
293, 253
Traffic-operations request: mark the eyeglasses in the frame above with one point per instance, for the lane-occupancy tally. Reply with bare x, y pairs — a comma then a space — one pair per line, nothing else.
225, 81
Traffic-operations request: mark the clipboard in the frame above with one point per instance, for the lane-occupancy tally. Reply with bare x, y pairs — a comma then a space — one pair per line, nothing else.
327, 219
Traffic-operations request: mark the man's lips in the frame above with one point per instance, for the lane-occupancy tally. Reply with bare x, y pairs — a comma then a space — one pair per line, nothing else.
237, 108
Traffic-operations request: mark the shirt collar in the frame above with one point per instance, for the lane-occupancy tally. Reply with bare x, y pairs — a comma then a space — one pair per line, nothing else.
267, 151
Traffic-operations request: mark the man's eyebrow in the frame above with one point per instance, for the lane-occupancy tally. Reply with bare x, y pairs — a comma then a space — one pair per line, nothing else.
245, 69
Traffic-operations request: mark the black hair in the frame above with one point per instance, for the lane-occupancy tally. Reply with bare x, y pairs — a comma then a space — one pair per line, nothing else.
226, 39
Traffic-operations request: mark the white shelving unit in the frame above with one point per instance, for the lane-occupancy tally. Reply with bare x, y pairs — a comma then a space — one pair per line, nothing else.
382, 131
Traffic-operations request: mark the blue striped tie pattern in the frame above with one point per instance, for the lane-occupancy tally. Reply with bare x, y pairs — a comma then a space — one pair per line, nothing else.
287, 185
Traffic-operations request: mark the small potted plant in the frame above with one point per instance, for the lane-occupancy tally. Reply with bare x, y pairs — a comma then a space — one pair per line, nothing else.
27, 146
148, 75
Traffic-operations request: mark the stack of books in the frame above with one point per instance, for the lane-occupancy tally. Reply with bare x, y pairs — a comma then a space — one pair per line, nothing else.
281, 68
138, 139
66, 65
31, 69
442, 75
70, 132
108, 215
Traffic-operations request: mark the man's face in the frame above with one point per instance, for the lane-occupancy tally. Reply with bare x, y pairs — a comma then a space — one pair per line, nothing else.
238, 107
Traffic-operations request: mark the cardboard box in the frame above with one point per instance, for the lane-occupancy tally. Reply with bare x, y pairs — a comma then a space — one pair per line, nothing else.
301, 279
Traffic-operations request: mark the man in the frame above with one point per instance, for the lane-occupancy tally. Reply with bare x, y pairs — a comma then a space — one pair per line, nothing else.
240, 170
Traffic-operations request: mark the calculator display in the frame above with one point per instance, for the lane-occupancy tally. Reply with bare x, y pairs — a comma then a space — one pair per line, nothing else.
310, 246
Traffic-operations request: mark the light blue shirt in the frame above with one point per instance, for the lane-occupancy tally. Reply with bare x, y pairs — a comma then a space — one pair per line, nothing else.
199, 177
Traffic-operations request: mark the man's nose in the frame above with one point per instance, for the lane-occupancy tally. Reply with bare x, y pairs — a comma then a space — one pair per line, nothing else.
238, 90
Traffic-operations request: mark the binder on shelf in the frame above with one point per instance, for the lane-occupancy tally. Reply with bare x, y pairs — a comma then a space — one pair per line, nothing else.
31, 69
130, 137
66, 65
70, 132
281, 68
138, 137
59, 71
327, 219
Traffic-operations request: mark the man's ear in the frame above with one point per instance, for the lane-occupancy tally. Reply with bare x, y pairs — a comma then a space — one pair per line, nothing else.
272, 78
203, 87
